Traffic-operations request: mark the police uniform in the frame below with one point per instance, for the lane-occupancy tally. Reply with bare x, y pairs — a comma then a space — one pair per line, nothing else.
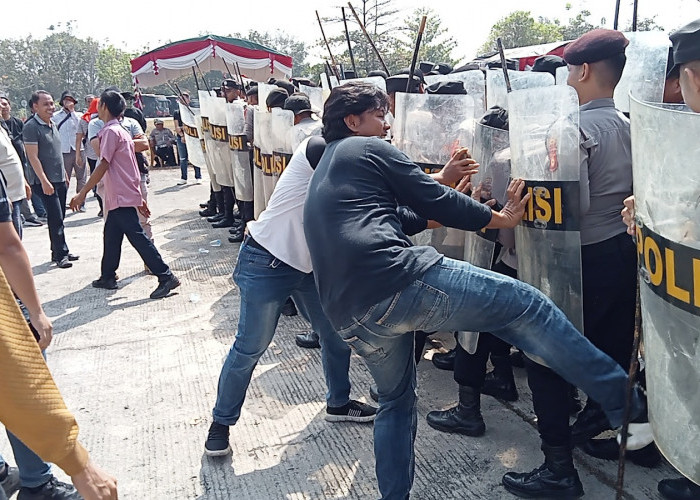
608, 263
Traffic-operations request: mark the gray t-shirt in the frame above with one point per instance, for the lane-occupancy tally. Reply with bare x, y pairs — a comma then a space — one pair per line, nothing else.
48, 141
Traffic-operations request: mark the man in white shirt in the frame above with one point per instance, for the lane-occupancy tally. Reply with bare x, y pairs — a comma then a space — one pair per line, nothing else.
67, 121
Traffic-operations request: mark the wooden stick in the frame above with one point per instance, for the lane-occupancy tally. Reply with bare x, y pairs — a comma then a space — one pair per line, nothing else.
335, 69
617, 14
202, 74
227, 68
369, 39
634, 362
421, 29
504, 66
179, 94
634, 15
196, 82
347, 37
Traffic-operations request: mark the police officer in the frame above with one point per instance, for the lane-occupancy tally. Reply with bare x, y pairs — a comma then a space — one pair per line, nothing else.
608, 256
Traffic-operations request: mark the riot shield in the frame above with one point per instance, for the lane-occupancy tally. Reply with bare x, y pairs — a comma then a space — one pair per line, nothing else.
316, 97
264, 90
562, 75
218, 147
282, 121
497, 93
644, 75
428, 129
205, 106
474, 83
544, 141
375, 80
263, 144
492, 152
665, 153
190, 116
238, 149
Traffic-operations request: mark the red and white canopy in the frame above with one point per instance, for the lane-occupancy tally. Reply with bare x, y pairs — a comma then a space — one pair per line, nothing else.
177, 59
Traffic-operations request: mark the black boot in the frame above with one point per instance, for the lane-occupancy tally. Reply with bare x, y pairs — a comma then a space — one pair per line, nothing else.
289, 309
516, 359
445, 360
679, 489
219, 197
575, 403
465, 418
590, 422
609, 449
210, 206
555, 478
229, 201
246, 209
499, 382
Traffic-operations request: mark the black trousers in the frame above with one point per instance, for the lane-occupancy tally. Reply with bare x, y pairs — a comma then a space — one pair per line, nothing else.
470, 369
93, 166
166, 154
55, 205
124, 221
609, 291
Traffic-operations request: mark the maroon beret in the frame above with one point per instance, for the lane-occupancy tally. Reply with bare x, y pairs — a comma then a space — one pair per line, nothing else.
594, 46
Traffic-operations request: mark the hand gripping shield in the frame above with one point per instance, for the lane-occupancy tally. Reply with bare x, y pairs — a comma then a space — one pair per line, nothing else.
665, 154
428, 129
238, 150
545, 149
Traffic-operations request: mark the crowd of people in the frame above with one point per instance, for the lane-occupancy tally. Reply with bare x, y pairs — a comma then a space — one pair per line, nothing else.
327, 220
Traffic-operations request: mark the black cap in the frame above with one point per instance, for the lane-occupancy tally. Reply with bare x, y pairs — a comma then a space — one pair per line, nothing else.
69, 94
286, 85
299, 103
397, 83
276, 98
302, 81
378, 72
443, 68
425, 66
416, 72
252, 90
128, 95
548, 64
230, 83
466, 67
596, 45
510, 64
686, 43
111, 88
446, 88
495, 117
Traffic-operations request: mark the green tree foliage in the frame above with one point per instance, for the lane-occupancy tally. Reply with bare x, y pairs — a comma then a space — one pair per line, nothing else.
113, 67
520, 29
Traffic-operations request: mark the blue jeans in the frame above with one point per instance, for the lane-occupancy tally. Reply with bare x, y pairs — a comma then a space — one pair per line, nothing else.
456, 296
182, 153
33, 471
265, 282
17, 217
38, 205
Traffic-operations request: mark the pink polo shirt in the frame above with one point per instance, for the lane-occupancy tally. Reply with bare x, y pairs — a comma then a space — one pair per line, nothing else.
122, 182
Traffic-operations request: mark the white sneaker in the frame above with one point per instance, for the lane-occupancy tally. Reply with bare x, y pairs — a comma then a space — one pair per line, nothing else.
198, 181
181, 182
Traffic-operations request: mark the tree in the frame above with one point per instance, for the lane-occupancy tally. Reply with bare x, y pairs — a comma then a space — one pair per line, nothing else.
436, 45
113, 68
520, 29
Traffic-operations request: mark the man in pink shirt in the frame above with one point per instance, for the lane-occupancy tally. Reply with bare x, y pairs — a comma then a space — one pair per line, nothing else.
122, 198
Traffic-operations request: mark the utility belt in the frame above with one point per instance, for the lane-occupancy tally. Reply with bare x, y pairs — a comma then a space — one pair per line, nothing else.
248, 240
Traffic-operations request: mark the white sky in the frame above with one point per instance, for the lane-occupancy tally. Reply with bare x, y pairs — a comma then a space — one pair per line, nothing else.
155, 23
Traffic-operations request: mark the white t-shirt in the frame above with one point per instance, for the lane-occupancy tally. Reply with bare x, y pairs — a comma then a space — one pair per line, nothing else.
280, 228
11, 168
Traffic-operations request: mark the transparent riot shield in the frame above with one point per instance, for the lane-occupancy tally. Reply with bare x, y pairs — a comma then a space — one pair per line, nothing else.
644, 75
665, 155
316, 97
238, 150
190, 116
205, 105
492, 151
497, 93
562, 75
544, 142
428, 129
264, 144
281, 123
474, 83
374, 80
218, 146
264, 90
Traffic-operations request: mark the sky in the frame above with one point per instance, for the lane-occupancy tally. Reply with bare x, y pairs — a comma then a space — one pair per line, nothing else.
153, 23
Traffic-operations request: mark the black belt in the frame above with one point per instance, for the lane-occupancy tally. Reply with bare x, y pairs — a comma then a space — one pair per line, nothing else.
251, 242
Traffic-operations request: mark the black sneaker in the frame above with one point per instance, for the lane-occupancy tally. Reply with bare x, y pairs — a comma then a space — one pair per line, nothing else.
354, 411
9, 480
308, 340
72, 257
165, 287
32, 222
289, 309
53, 489
106, 283
217, 441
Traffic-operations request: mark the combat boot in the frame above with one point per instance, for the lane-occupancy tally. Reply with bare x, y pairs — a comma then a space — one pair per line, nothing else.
499, 382
555, 478
465, 418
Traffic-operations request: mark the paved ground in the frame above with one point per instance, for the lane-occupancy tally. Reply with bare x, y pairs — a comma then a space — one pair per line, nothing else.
141, 377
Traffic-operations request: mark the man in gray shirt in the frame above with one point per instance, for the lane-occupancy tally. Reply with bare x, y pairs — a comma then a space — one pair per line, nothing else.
43, 145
